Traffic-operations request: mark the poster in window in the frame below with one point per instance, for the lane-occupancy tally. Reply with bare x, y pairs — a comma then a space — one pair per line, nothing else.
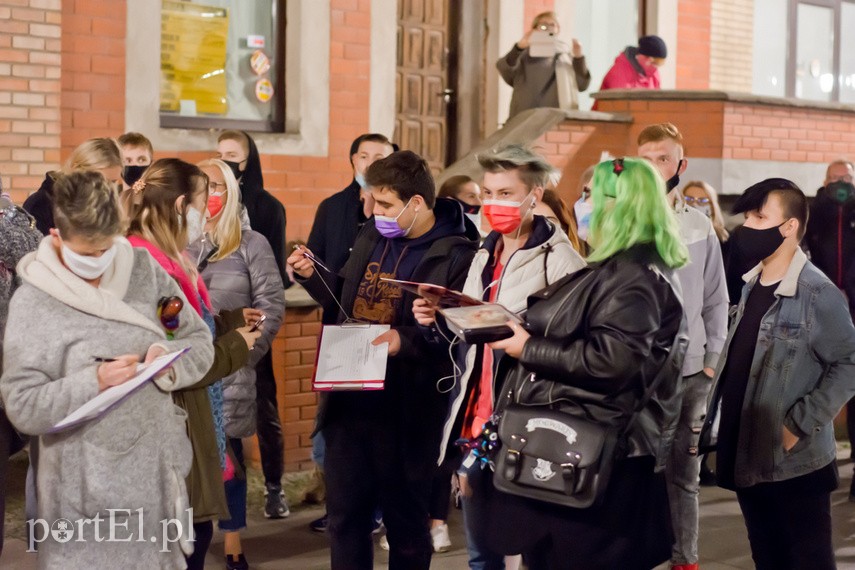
193, 58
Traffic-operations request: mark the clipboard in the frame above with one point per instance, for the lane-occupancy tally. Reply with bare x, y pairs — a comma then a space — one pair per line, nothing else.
436, 294
346, 359
112, 397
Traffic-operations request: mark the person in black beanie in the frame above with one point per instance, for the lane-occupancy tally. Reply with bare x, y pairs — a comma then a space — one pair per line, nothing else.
267, 217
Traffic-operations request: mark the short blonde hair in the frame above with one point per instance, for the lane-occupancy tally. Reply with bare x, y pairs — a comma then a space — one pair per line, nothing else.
542, 16
94, 154
660, 132
85, 204
227, 227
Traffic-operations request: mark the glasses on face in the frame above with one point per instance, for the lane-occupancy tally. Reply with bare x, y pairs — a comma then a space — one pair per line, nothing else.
845, 178
691, 201
213, 187
547, 26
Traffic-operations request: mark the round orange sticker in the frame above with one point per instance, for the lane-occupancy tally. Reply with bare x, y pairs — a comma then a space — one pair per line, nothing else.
263, 90
259, 62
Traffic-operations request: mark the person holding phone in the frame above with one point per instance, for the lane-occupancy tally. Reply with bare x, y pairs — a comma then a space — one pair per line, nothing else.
87, 292
551, 81
239, 270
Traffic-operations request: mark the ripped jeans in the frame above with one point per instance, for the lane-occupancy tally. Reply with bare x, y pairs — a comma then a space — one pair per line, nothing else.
683, 469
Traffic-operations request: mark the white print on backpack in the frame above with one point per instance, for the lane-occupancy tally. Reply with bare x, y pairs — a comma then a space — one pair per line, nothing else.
543, 471
546, 423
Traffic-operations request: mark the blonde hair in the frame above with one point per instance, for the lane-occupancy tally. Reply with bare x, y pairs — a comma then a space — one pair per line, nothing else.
86, 205
155, 217
94, 154
542, 16
717, 217
227, 227
238, 136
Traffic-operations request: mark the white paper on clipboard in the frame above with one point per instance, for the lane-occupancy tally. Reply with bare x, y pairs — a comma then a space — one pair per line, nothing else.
106, 400
348, 361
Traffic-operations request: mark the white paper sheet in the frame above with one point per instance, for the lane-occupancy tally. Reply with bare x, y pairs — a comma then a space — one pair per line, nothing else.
103, 402
348, 361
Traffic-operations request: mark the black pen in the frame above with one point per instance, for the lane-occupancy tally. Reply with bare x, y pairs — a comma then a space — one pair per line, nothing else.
313, 259
102, 359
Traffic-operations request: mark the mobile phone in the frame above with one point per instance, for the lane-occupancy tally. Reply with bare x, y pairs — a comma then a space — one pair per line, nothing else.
257, 323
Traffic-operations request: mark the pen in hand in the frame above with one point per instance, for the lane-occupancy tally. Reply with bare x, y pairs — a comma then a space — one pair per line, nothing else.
312, 258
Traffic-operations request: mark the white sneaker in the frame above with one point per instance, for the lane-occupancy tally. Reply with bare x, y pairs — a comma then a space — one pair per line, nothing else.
384, 543
440, 538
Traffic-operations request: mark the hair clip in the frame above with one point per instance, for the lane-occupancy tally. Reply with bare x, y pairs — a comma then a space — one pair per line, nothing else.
138, 186
617, 166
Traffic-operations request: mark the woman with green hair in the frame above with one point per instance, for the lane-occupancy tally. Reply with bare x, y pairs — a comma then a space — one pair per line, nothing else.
593, 345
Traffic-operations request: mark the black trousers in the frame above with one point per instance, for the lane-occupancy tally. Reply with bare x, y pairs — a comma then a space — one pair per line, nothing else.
787, 530
270, 444
203, 532
364, 467
440, 492
10, 444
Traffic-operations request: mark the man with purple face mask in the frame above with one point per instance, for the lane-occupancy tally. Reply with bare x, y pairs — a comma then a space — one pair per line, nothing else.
381, 446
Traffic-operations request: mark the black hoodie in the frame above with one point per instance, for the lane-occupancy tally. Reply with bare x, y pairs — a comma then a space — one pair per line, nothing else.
830, 236
40, 204
266, 213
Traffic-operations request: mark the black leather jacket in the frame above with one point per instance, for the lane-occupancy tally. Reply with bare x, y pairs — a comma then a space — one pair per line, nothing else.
599, 338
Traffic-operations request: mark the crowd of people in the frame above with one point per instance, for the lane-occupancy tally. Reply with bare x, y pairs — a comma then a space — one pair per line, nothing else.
643, 332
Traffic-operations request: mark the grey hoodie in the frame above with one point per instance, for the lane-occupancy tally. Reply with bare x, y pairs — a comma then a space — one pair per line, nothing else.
704, 289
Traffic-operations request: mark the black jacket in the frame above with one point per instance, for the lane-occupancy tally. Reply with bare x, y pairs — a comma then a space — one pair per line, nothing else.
410, 402
336, 225
599, 338
830, 237
40, 204
266, 213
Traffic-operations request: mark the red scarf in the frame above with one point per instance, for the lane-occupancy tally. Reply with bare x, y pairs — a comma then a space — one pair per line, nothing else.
177, 272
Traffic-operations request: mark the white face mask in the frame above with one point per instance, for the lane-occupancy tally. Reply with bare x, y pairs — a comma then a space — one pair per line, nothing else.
195, 224
87, 266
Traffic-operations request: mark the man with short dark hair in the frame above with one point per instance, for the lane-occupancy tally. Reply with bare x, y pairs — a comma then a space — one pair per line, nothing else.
381, 446
787, 368
340, 217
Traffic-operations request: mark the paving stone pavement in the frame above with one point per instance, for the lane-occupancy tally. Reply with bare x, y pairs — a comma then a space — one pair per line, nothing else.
290, 545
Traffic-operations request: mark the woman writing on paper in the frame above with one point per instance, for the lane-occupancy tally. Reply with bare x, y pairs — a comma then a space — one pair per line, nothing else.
88, 294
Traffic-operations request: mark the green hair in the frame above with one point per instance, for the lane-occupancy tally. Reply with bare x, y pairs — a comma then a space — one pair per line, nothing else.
630, 208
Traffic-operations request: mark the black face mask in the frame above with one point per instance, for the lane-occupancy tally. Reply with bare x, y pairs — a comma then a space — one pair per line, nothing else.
235, 168
672, 182
756, 245
470, 209
840, 191
130, 174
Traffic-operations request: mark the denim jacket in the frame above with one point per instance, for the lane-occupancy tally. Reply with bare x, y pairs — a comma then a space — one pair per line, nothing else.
802, 374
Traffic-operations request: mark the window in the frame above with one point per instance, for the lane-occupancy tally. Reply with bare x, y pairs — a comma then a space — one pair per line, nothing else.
800, 49
222, 64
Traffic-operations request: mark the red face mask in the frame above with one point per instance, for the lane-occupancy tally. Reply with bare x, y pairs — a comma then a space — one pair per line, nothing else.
506, 216
215, 204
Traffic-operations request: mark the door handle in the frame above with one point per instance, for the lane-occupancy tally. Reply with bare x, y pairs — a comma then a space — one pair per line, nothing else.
446, 95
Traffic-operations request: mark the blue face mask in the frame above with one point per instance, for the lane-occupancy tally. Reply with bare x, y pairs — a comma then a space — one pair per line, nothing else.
583, 211
360, 179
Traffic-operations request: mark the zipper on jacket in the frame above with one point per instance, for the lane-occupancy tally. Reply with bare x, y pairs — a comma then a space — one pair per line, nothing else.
839, 247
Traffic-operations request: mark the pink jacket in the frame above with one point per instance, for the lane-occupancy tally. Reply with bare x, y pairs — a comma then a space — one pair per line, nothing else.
626, 74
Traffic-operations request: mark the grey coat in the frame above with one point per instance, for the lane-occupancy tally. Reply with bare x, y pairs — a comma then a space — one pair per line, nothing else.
249, 277
135, 456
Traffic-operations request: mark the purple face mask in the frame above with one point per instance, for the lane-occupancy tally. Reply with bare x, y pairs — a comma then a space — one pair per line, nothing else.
389, 228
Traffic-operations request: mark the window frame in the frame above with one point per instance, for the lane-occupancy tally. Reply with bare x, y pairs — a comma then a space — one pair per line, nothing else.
276, 124
792, 47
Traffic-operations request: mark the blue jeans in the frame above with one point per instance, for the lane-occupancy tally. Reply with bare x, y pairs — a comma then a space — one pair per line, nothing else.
474, 513
684, 467
236, 491
319, 449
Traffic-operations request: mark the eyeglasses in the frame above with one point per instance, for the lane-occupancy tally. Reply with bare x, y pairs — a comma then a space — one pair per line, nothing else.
212, 186
696, 201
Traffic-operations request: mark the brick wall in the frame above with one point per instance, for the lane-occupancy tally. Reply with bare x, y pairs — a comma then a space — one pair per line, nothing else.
93, 62
731, 45
29, 92
693, 44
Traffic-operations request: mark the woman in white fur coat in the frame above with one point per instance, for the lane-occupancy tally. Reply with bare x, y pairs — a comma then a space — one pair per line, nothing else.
88, 294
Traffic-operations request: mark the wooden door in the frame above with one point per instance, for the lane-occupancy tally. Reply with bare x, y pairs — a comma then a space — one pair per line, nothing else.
424, 90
